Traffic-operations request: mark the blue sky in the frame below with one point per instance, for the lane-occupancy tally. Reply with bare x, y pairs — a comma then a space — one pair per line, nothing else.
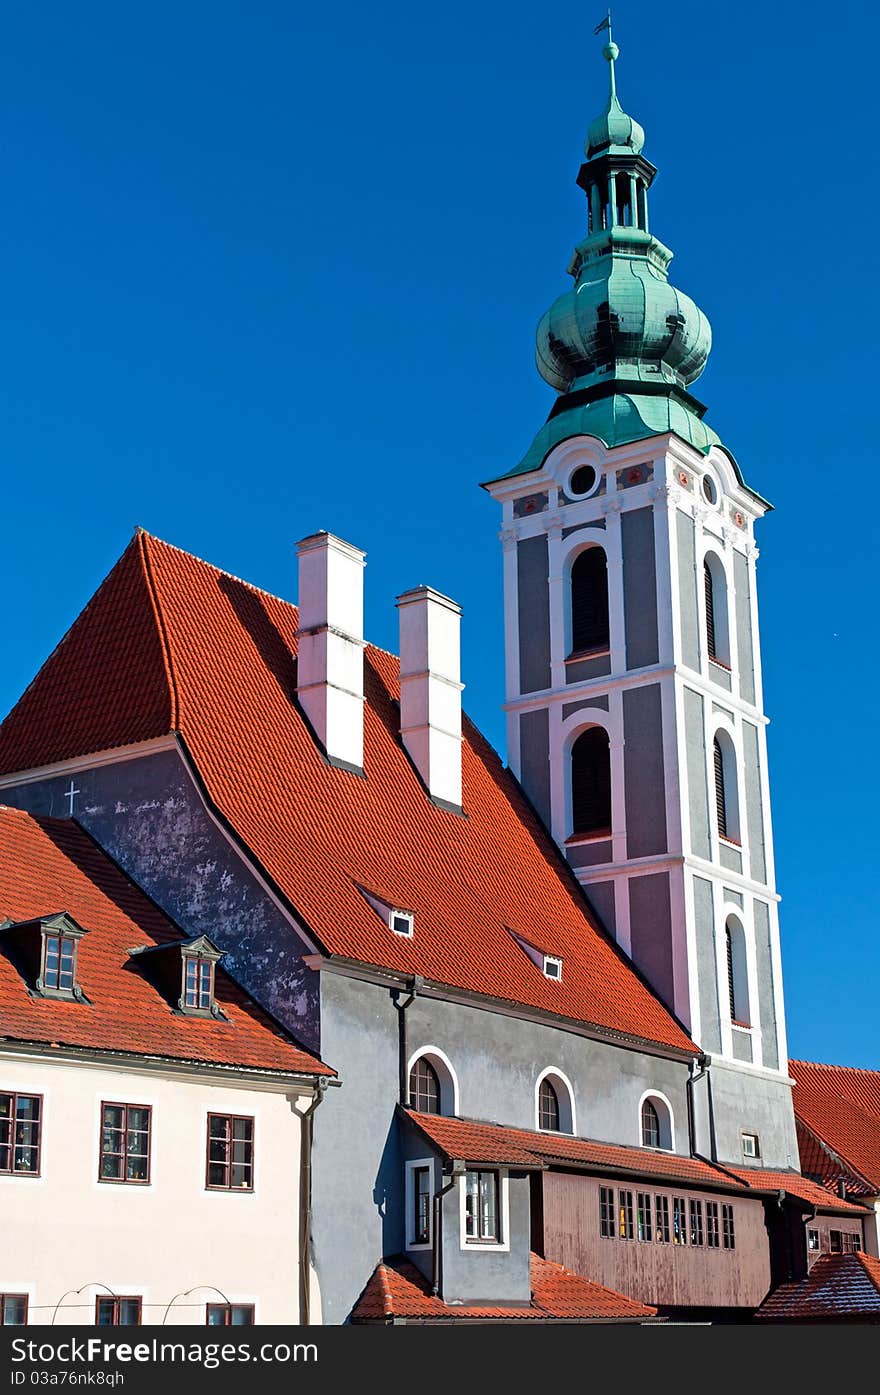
270, 268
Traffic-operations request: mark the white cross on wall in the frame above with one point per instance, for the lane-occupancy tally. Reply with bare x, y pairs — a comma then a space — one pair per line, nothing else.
71, 795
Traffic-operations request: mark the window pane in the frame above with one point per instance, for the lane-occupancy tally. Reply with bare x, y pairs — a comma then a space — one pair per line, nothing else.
129, 1312
472, 1188
13, 1310
488, 1205
216, 1315
242, 1315
105, 1312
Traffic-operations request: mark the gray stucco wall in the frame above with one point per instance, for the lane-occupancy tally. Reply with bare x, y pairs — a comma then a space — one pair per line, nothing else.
744, 643
534, 755
470, 1273
650, 918
744, 1100
148, 815
357, 1169
601, 897
582, 669
698, 788
766, 993
707, 970
645, 788
639, 587
589, 854
533, 608
687, 587
754, 806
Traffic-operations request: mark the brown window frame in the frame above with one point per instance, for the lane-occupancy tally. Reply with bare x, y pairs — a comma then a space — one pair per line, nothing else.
662, 1229
425, 1065
62, 939
728, 1231
15, 1096
116, 1299
15, 1298
644, 1217
201, 963
713, 1229
607, 1214
814, 1242
695, 1217
626, 1225
547, 1087
852, 1243
679, 1221
835, 1242
649, 1111
125, 1181
226, 1309
231, 1119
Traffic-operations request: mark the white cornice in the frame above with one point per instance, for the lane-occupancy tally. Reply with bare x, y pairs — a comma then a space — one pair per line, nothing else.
112, 756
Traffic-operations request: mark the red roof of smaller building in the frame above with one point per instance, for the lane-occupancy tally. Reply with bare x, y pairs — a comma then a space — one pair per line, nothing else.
51, 865
840, 1105
397, 1289
766, 1179
838, 1288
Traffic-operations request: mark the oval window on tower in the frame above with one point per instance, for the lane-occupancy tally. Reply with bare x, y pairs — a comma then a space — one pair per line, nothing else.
583, 481
710, 490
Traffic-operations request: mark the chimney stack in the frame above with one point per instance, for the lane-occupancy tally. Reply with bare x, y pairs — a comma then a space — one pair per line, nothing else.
330, 663
430, 690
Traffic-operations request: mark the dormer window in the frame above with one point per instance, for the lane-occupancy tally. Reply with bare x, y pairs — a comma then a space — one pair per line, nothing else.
552, 967
45, 952
549, 964
402, 922
198, 983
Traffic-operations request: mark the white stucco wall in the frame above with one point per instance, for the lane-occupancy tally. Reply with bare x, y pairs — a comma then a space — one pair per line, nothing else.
65, 1229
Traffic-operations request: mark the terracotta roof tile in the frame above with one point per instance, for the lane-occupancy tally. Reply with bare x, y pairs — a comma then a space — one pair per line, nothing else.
841, 1106
51, 865
764, 1179
215, 658
397, 1289
838, 1287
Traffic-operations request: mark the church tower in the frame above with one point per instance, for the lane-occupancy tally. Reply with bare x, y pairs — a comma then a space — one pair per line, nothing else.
633, 667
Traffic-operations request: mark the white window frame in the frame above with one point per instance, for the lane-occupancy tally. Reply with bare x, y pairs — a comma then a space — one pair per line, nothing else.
552, 959
408, 916
750, 1133
410, 1196
449, 1094
657, 1097
501, 1246
565, 1095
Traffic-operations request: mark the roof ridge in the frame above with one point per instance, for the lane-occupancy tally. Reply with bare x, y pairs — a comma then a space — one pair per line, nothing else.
142, 539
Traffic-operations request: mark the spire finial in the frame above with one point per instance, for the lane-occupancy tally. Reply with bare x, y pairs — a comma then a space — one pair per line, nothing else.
610, 52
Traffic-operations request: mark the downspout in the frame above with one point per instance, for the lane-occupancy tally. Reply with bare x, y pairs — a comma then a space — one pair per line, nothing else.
458, 1170
403, 1052
305, 1206
699, 1062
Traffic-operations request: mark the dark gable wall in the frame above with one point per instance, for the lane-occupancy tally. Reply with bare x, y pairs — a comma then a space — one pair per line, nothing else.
148, 815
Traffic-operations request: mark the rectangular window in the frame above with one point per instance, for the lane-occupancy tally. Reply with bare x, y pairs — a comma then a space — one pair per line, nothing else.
728, 1235
644, 1228
198, 983
59, 959
230, 1153
13, 1309
421, 1205
117, 1312
751, 1146
606, 1212
836, 1242
20, 1119
625, 1224
125, 1143
712, 1238
851, 1243
696, 1222
481, 1208
229, 1315
813, 1240
662, 1219
679, 1221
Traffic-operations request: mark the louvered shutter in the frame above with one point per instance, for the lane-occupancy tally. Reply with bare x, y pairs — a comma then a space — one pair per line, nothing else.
710, 610
731, 983
589, 601
591, 782
720, 799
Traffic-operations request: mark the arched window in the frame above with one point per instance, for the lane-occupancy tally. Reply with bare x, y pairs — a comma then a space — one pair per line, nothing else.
548, 1107
717, 624
424, 1087
650, 1126
589, 601
737, 972
591, 782
655, 1122
726, 795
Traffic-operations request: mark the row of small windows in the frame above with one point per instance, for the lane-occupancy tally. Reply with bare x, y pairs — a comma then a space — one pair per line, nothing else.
555, 1110
641, 1216
125, 1143
126, 1311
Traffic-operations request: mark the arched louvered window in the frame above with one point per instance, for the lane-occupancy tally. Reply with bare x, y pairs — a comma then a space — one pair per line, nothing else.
731, 987
424, 1087
720, 791
708, 583
737, 972
548, 1107
591, 782
589, 601
650, 1126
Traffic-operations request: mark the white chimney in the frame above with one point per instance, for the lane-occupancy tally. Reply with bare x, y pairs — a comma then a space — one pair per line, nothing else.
430, 691
330, 663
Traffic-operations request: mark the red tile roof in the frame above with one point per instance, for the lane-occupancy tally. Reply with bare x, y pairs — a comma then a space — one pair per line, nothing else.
838, 1288
397, 1289
765, 1179
170, 642
824, 1166
841, 1106
495, 1143
51, 865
